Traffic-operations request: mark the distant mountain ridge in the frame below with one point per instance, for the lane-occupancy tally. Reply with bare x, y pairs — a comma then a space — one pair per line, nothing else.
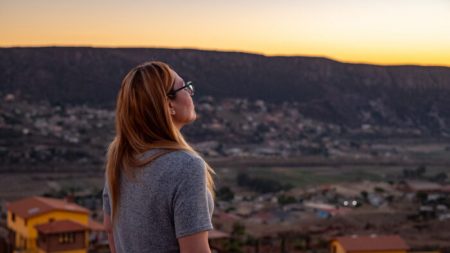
328, 90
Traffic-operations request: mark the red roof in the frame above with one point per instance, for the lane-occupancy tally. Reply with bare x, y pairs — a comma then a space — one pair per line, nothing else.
60, 226
423, 186
372, 243
33, 206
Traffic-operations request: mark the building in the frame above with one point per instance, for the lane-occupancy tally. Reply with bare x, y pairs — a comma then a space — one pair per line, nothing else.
369, 244
29, 217
323, 210
62, 236
420, 186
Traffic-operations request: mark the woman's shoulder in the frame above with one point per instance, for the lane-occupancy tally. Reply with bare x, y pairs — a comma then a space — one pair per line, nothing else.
185, 158
179, 160
183, 166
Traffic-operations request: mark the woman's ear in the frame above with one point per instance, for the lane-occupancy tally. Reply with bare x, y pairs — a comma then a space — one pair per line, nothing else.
171, 108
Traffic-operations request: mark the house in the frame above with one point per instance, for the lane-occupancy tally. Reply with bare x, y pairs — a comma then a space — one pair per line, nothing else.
369, 244
324, 210
25, 216
62, 236
419, 186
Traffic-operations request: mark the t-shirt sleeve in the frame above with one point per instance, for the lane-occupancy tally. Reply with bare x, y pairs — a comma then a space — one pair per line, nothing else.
191, 213
106, 202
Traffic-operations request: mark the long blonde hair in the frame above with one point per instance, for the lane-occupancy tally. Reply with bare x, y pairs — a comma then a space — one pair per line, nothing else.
143, 122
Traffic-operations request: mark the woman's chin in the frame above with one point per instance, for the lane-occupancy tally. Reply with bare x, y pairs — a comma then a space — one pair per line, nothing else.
194, 116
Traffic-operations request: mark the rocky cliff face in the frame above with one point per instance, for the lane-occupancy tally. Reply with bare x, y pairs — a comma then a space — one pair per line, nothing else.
351, 94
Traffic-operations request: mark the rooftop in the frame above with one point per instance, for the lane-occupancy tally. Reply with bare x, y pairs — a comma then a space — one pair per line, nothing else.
34, 206
372, 243
60, 226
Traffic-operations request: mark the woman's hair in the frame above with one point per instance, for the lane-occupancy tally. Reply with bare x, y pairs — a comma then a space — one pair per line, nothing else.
143, 122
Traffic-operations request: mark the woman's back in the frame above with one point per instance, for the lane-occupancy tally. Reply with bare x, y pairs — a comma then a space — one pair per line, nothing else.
166, 200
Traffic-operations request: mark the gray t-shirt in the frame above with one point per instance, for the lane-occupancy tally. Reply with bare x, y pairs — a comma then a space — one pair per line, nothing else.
167, 200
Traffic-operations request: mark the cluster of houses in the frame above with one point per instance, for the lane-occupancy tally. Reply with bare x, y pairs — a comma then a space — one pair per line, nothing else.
225, 128
40, 224
433, 197
53, 134
266, 129
319, 214
250, 221
287, 221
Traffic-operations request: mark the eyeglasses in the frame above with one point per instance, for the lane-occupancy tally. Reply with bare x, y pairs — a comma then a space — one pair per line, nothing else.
188, 85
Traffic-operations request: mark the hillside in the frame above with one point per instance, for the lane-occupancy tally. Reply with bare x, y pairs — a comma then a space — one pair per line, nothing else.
326, 90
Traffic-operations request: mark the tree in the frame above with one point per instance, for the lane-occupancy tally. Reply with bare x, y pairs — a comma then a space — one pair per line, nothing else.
422, 196
225, 194
364, 195
243, 179
262, 185
234, 245
440, 177
285, 200
421, 170
379, 189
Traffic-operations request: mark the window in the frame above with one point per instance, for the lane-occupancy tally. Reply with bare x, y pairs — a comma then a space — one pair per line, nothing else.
66, 238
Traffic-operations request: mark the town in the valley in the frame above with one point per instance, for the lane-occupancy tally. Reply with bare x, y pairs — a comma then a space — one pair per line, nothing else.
285, 182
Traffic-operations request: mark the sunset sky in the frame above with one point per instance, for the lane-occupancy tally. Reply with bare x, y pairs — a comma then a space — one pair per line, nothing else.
369, 31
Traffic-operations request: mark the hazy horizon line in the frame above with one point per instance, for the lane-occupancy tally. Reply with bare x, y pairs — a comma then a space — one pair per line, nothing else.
225, 51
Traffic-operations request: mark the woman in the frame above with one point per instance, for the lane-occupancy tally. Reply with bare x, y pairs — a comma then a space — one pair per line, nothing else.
158, 191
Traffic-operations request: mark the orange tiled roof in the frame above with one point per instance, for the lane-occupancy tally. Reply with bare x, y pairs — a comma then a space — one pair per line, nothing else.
33, 206
372, 243
60, 226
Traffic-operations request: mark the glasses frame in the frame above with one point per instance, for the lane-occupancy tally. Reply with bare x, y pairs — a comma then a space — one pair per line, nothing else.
187, 85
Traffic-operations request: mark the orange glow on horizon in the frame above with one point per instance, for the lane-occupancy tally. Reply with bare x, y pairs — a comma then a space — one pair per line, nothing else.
413, 32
